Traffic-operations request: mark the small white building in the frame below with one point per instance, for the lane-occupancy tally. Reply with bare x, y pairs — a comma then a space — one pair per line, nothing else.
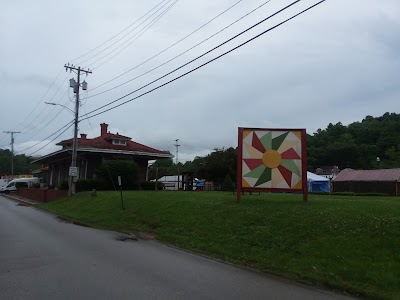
171, 182
174, 182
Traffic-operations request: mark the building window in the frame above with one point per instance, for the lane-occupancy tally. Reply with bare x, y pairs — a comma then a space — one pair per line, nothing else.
119, 142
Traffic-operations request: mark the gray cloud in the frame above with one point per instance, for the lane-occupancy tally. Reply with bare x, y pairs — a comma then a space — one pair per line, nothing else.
339, 62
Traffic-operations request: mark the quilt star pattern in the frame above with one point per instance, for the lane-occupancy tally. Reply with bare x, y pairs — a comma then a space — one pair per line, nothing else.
272, 159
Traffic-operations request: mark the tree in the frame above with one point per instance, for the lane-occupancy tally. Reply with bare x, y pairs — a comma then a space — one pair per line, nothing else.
162, 167
22, 163
109, 171
357, 145
220, 163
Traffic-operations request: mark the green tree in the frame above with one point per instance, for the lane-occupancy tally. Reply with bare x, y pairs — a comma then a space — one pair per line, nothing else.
227, 184
22, 163
220, 163
109, 171
357, 145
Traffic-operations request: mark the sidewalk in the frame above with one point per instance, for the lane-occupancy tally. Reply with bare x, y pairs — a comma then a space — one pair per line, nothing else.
20, 199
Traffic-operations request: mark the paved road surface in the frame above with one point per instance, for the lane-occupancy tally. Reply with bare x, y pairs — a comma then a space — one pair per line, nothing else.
44, 258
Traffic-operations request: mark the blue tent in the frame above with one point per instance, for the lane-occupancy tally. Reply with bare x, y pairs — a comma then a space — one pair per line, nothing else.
316, 183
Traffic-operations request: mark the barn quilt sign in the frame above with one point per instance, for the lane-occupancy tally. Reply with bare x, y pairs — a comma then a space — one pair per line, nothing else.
272, 160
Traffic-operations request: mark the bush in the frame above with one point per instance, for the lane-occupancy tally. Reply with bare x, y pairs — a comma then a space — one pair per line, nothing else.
227, 184
86, 185
360, 194
151, 185
96, 184
351, 194
63, 185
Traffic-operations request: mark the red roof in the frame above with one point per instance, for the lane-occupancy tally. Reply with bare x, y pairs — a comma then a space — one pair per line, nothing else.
105, 141
368, 175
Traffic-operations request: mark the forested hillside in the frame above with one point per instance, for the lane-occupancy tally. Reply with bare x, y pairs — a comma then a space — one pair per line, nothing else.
22, 163
357, 145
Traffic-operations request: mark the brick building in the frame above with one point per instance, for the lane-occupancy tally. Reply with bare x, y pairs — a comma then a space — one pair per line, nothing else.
92, 152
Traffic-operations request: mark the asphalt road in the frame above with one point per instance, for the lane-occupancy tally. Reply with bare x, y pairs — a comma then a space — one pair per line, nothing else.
42, 257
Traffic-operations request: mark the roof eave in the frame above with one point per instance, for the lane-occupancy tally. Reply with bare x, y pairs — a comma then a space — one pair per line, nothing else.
105, 151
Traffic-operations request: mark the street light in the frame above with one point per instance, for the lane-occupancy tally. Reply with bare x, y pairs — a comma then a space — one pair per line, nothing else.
57, 104
378, 160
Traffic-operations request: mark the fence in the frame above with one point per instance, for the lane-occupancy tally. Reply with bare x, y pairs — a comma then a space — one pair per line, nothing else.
41, 195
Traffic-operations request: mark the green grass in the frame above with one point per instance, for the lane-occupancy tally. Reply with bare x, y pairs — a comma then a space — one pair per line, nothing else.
349, 244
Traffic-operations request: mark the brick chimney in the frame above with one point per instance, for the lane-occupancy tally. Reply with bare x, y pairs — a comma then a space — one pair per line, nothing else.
103, 127
83, 136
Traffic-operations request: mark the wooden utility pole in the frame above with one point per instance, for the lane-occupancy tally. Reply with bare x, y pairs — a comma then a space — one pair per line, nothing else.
12, 149
73, 170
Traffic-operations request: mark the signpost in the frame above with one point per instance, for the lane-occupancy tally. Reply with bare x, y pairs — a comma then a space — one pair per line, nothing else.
73, 171
120, 189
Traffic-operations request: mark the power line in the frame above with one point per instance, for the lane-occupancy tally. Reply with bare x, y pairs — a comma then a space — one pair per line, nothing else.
38, 143
56, 116
169, 47
51, 85
204, 64
182, 53
126, 28
54, 81
31, 125
120, 39
140, 33
30, 154
50, 112
198, 57
76, 85
158, 87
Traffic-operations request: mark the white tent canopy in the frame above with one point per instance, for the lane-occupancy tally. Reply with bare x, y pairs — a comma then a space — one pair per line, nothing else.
315, 177
316, 183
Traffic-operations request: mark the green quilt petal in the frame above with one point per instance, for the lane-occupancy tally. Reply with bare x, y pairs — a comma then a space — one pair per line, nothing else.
277, 142
266, 140
265, 177
256, 173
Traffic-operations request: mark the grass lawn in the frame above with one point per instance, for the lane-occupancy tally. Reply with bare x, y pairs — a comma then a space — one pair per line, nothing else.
349, 244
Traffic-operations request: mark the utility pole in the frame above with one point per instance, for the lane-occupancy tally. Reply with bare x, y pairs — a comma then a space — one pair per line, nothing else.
73, 170
12, 149
176, 145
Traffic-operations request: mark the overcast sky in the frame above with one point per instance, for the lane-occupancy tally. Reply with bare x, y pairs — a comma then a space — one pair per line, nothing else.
336, 63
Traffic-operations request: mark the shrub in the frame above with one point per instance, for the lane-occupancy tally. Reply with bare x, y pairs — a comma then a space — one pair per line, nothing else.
96, 184
351, 194
227, 184
63, 185
151, 185
360, 194
86, 185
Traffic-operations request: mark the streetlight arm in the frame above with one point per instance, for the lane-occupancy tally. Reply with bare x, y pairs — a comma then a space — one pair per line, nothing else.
57, 104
